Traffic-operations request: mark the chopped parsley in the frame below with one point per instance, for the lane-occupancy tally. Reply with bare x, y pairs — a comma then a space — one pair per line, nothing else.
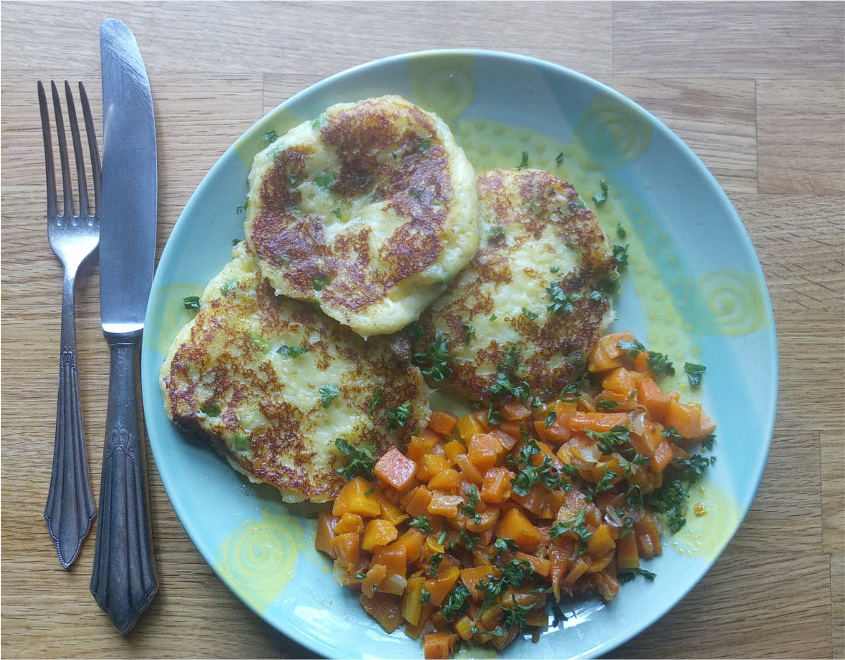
292, 351
694, 373
324, 180
524, 162
469, 509
336, 211
270, 136
422, 523
633, 348
241, 442
561, 302
320, 281
620, 230
362, 460
211, 410
554, 269
242, 209
551, 418
434, 362
559, 159
375, 400
531, 315
671, 498
425, 596
497, 234
228, 286
457, 603
660, 364
469, 332
631, 573
577, 525
191, 302
398, 416
595, 296
602, 196
328, 393
609, 441
620, 253
607, 404
424, 146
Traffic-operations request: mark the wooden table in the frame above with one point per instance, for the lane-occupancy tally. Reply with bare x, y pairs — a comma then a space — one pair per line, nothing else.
755, 89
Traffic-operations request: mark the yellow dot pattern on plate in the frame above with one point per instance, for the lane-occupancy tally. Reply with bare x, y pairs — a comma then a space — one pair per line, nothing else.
280, 121
259, 558
705, 535
171, 313
445, 88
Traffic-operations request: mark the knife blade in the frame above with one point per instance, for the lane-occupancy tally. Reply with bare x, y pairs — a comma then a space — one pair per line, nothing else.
124, 578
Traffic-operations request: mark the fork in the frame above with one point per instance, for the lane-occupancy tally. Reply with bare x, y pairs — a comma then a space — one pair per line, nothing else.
70, 510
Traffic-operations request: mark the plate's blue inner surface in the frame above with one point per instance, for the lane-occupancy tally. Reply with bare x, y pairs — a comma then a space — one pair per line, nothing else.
693, 289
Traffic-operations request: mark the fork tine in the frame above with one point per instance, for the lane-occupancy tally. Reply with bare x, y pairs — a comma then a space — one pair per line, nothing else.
96, 171
67, 193
52, 205
81, 183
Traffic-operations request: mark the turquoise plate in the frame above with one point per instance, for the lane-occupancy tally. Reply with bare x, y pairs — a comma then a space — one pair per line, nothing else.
693, 289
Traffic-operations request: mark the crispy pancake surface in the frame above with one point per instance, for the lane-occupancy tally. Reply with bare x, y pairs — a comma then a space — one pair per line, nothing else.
272, 382
532, 301
369, 210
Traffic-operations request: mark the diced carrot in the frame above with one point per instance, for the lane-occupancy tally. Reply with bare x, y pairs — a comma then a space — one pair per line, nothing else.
627, 556
395, 469
601, 541
384, 608
599, 360
685, 418
558, 431
621, 381
442, 422
514, 410
707, 426
349, 522
662, 456
413, 540
648, 538
347, 548
507, 440
389, 510
514, 525
453, 448
485, 521
393, 556
559, 560
468, 426
378, 532
600, 422
440, 586
538, 565
610, 342
532, 501
473, 575
412, 600
469, 470
325, 533
576, 570
496, 487
357, 496
431, 464
444, 504
653, 398
416, 501
607, 585
421, 444
373, 578
641, 364
448, 480
484, 450
512, 427
439, 645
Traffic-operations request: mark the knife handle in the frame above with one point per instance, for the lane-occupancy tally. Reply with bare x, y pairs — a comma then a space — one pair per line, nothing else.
70, 509
124, 578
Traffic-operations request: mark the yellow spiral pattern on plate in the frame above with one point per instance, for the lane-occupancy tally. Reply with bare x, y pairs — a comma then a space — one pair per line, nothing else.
733, 302
611, 133
446, 87
259, 558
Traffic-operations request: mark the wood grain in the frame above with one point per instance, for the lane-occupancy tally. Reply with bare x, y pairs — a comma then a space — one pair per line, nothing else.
754, 88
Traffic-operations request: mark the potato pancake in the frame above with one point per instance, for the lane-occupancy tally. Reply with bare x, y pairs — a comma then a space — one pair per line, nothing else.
370, 210
273, 382
532, 301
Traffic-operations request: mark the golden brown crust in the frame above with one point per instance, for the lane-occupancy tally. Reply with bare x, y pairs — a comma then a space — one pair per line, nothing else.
223, 362
534, 210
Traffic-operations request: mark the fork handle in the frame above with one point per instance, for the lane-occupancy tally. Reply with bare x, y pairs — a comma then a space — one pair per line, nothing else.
70, 509
124, 578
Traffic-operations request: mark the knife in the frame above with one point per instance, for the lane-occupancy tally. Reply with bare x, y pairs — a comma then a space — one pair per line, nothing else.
124, 578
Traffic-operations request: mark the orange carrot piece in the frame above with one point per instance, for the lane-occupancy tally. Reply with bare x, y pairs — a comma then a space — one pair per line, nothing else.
453, 448
539, 565
662, 456
653, 398
439, 645
440, 586
514, 410
512, 427
473, 575
514, 525
430, 465
496, 487
393, 557
627, 556
484, 450
599, 422
416, 501
347, 548
685, 417
349, 522
325, 533
621, 381
413, 540
395, 469
421, 444
357, 496
378, 532
469, 470
448, 480
601, 541
468, 426
444, 504
442, 422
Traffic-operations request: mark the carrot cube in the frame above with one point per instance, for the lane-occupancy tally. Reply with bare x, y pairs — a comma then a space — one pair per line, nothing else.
484, 450
395, 469
516, 526
357, 496
442, 422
